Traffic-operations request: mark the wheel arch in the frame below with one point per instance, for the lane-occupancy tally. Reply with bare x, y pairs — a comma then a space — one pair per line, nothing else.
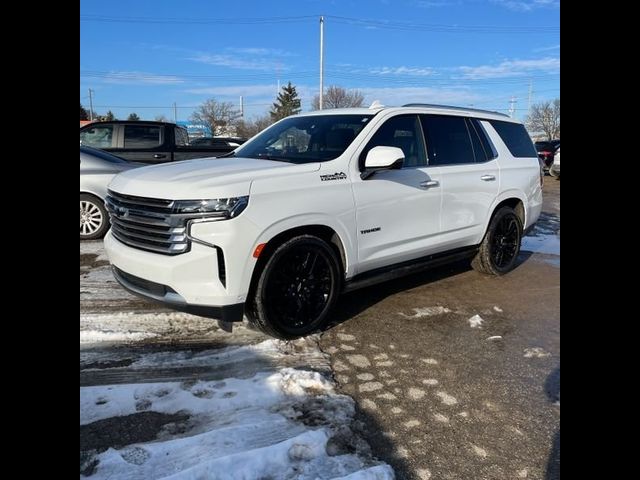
276, 235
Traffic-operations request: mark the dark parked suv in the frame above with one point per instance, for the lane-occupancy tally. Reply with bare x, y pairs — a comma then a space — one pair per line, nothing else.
546, 150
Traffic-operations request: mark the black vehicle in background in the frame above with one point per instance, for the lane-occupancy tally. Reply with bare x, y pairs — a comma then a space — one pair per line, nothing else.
147, 142
214, 141
546, 150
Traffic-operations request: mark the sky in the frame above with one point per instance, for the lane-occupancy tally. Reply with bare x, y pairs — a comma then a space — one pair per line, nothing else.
143, 56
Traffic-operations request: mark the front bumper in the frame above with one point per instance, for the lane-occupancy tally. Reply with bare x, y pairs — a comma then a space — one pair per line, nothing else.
169, 297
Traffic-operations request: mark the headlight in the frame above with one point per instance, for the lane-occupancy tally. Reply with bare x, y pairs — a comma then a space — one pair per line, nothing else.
219, 207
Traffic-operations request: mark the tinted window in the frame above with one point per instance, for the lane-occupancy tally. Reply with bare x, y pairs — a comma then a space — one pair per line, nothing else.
305, 139
182, 137
402, 132
448, 141
478, 149
488, 145
97, 137
141, 136
516, 138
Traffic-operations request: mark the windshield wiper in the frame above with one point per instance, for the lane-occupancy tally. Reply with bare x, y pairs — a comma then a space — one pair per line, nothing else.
266, 156
228, 154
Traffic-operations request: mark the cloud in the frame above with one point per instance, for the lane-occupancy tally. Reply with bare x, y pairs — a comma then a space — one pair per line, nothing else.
546, 49
526, 5
245, 58
511, 68
232, 61
402, 95
421, 71
237, 90
265, 52
135, 78
434, 3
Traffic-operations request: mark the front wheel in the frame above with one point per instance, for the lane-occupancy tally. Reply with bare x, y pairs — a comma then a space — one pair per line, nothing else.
501, 244
296, 289
94, 220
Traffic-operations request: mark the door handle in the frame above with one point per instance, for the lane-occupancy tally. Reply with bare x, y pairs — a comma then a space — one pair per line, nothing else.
159, 155
430, 183
488, 178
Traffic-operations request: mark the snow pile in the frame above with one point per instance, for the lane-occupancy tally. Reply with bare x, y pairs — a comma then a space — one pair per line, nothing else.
287, 425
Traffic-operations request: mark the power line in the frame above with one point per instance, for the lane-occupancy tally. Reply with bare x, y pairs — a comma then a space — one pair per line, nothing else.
366, 22
197, 21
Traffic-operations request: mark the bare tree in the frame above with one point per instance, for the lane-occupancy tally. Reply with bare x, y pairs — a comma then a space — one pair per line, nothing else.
161, 118
545, 117
218, 116
249, 128
338, 97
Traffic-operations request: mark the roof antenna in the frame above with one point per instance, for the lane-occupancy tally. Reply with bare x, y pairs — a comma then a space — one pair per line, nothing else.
375, 104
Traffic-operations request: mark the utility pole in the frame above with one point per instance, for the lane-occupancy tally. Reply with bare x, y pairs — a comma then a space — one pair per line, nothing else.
512, 109
175, 113
530, 95
321, 60
241, 107
91, 105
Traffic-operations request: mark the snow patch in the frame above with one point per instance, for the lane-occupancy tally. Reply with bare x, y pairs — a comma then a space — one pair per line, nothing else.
475, 321
426, 312
95, 336
446, 398
535, 352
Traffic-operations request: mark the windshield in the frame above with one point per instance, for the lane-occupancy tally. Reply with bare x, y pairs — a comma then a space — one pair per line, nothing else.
316, 138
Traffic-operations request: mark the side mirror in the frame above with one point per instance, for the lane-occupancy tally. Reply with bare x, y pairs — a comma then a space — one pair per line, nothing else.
382, 158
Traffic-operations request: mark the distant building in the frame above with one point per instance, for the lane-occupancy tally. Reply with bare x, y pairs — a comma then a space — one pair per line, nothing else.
195, 130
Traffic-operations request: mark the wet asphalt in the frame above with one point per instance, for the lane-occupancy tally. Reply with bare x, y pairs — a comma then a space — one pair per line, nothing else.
440, 399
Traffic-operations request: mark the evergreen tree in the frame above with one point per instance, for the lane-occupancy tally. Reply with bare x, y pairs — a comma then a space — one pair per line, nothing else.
286, 104
133, 117
83, 113
110, 116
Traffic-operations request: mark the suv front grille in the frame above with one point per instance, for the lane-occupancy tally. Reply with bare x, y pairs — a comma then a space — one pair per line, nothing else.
147, 223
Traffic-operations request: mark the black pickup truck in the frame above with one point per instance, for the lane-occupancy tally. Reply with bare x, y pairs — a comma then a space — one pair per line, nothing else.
148, 142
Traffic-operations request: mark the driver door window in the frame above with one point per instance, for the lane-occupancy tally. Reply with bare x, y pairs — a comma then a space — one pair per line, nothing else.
404, 132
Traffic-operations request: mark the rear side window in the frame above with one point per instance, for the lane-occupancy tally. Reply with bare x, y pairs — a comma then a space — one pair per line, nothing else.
97, 137
488, 146
182, 137
142, 136
448, 141
478, 149
516, 138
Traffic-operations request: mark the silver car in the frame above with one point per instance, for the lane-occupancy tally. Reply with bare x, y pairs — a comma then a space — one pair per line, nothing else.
97, 168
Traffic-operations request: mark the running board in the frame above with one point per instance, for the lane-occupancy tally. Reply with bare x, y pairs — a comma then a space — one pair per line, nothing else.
399, 270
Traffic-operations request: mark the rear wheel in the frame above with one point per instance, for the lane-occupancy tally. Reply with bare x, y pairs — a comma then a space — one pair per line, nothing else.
501, 244
94, 220
296, 289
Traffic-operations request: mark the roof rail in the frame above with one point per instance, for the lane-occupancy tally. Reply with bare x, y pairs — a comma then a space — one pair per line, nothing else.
453, 108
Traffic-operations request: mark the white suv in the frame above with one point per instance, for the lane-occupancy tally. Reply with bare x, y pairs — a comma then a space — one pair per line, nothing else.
321, 203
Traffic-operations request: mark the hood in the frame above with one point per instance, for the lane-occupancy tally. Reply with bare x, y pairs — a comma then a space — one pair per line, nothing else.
202, 178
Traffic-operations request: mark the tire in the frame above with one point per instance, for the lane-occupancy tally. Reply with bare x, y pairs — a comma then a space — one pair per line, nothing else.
94, 219
501, 244
291, 297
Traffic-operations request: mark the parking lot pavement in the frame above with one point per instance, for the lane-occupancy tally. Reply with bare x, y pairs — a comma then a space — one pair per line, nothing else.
457, 375
454, 375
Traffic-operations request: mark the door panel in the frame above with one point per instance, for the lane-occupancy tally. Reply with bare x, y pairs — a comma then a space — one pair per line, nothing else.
466, 200
397, 219
469, 180
397, 212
